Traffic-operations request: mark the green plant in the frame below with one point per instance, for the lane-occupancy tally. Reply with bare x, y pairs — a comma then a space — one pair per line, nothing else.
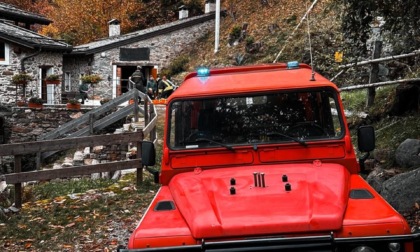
53, 77
73, 101
235, 33
249, 41
179, 65
91, 78
36, 100
104, 100
21, 77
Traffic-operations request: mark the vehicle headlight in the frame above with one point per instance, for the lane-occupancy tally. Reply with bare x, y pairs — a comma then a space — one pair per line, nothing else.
394, 247
363, 249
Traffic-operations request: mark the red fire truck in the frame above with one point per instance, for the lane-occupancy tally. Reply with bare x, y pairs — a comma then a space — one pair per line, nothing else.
259, 158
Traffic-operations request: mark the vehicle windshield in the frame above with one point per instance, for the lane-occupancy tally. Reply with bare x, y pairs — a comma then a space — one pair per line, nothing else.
258, 119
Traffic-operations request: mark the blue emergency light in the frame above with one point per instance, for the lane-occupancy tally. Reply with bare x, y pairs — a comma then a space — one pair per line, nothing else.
203, 72
292, 65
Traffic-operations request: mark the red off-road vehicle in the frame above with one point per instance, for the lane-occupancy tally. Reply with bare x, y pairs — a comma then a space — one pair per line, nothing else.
259, 158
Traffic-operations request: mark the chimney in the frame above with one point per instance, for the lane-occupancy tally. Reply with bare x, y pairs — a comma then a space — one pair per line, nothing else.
183, 12
210, 6
114, 27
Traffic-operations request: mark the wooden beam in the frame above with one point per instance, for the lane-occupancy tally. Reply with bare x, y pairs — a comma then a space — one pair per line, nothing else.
415, 81
16, 178
67, 143
18, 185
376, 60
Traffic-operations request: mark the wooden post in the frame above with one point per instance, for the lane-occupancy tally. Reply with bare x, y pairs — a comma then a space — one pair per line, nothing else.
38, 161
374, 74
146, 112
139, 174
136, 106
18, 186
91, 122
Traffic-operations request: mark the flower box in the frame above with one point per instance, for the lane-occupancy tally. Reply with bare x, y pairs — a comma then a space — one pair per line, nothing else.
35, 105
55, 82
73, 106
53, 79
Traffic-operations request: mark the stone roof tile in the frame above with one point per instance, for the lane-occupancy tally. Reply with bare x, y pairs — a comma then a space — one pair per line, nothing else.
27, 38
117, 41
11, 12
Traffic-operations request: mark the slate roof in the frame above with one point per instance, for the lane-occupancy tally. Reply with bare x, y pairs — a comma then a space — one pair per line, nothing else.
30, 39
11, 12
129, 38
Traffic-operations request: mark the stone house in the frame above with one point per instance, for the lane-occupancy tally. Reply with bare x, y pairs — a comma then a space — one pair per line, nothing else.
24, 50
115, 58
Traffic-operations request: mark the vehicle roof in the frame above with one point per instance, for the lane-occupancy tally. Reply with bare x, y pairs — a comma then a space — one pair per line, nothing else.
245, 79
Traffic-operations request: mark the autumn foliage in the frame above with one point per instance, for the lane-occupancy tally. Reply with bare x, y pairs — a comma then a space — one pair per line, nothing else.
82, 21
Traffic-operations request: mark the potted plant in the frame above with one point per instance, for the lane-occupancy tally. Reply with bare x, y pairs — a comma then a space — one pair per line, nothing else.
91, 78
52, 79
21, 78
35, 102
104, 100
73, 104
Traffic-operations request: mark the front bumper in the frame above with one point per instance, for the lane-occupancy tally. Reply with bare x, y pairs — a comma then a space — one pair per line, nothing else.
301, 244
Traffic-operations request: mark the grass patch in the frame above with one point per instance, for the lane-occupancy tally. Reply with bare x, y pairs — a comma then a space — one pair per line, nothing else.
80, 214
79, 221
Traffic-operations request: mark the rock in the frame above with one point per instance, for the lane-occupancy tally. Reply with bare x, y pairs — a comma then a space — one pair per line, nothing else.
376, 179
56, 166
407, 154
78, 155
403, 190
3, 186
14, 209
406, 99
98, 149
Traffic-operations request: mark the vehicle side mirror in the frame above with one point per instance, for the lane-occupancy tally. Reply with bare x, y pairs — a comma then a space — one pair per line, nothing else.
148, 153
366, 138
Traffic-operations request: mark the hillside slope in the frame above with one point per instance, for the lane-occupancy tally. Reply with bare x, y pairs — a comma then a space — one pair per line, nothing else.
270, 28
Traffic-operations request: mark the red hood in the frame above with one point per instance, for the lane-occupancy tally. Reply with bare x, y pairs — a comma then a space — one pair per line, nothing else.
316, 202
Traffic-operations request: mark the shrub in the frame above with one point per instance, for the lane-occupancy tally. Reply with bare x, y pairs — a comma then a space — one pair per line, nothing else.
21, 77
73, 101
53, 77
36, 100
235, 33
178, 65
91, 78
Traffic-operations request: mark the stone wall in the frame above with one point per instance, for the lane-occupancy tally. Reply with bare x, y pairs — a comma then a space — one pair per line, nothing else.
26, 124
33, 61
163, 49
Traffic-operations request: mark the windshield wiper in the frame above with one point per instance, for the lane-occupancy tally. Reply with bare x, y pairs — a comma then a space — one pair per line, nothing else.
215, 142
288, 137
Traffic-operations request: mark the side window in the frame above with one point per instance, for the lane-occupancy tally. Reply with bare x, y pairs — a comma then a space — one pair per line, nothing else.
336, 124
67, 82
4, 53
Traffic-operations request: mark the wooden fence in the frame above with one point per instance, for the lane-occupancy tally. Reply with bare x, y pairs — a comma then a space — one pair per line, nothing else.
19, 149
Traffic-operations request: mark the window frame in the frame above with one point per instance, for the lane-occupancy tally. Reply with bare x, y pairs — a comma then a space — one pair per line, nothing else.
334, 96
6, 59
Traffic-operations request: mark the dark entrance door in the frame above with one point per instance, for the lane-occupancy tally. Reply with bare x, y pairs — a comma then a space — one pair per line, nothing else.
127, 71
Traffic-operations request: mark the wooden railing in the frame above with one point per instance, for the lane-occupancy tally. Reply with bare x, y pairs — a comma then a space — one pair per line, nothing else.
69, 139
19, 149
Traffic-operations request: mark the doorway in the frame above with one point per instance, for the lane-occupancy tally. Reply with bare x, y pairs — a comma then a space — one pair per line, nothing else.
124, 73
47, 91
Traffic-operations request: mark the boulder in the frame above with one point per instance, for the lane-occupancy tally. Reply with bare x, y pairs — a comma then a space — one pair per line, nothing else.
376, 179
407, 154
403, 190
